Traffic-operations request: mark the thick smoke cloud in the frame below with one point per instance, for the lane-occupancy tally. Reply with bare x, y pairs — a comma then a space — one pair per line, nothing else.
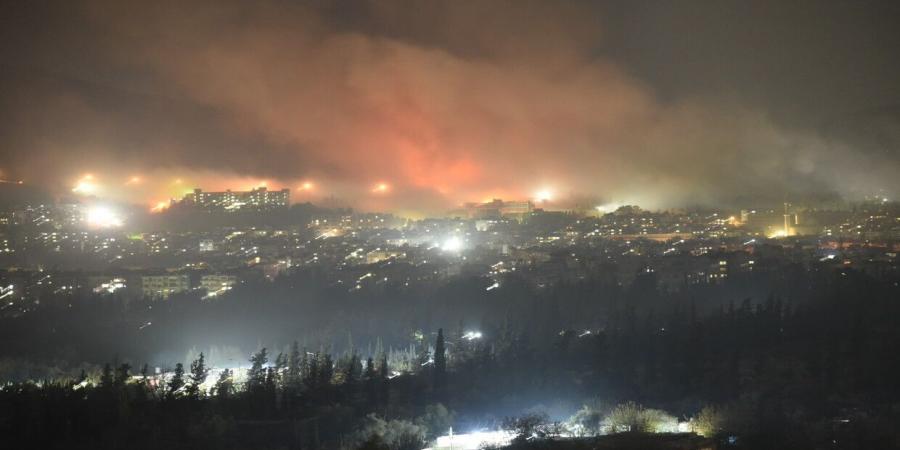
446, 103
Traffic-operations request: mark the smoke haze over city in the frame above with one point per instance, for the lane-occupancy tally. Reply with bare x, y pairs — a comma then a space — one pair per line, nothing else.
407, 107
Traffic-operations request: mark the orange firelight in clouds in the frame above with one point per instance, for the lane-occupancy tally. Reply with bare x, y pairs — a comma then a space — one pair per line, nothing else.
381, 188
134, 180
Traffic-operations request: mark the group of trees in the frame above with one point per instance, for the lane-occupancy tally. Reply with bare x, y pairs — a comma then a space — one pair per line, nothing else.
811, 364
299, 399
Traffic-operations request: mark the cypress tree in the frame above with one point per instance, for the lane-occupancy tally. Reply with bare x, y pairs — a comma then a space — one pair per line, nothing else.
292, 380
440, 360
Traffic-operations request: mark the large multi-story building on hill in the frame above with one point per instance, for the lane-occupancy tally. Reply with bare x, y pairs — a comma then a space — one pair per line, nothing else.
254, 199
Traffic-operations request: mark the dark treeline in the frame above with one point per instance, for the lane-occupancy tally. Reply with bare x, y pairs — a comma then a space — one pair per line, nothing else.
782, 374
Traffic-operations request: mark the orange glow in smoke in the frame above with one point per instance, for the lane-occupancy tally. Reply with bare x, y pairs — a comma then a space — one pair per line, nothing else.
544, 195
85, 185
160, 207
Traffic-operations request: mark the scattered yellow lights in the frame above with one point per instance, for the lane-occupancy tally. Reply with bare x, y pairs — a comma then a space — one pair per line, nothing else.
380, 188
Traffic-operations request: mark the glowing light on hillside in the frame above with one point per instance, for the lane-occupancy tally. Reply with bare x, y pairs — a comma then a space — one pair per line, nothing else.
544, 195
103, 217
608, 208
475, 440
452, 244
134, 180
472, 335
159, 207
381, 188
306, 186
86, 185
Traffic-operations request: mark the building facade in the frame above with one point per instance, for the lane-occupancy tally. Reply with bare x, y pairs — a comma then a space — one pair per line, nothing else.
162, 286
255, 199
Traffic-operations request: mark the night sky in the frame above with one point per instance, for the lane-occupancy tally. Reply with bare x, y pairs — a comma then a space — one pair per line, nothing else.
660, 103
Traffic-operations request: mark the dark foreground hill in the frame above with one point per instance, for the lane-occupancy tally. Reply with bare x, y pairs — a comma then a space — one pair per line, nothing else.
622, 441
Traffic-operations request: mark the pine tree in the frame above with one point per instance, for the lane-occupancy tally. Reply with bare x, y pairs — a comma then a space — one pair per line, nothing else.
370, 380
271, 380
256, 376
199, 372
383, 388
123, 372
177, 381
224, 387
383, 370
312, 372
294, 369
279, 375
326, 371
352, 369
106, 377
369, 371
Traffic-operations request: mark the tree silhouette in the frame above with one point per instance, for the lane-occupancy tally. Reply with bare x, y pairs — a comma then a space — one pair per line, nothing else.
199, 372
440, 361
177, 381
224, 387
